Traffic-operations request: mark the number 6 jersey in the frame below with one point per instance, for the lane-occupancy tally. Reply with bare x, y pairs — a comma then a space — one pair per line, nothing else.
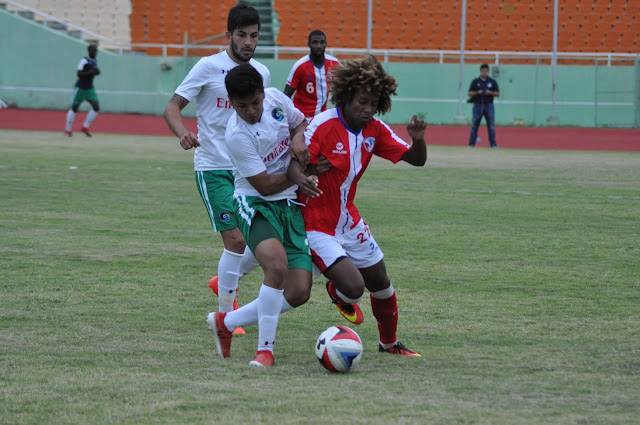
311, 84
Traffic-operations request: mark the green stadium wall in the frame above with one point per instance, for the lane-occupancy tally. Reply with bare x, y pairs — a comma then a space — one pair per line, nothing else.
38, 71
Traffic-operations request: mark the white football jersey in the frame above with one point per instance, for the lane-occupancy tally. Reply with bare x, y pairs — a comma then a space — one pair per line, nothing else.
205, 83
263, 146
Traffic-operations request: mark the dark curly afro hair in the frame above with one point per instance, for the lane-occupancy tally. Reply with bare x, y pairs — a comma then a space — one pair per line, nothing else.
366, 73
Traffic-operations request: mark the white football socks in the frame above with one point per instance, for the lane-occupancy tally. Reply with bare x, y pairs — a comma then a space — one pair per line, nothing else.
248, 314
248, 262
269, 306
70, 117
228, 275
90, 117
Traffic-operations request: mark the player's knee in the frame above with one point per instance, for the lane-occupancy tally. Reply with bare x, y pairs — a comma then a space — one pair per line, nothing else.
233, 240
378, 283
298, 295
352, 288
355, 292
275, 273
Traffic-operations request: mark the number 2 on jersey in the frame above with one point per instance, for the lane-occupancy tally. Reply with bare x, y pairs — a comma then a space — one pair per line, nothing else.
364, 236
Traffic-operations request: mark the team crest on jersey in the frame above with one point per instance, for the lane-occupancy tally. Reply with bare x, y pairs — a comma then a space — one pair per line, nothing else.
368, 143
225, 216
339, 149
277, 114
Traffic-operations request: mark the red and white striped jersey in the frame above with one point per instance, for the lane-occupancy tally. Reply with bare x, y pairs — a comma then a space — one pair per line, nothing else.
311, 84
349, 153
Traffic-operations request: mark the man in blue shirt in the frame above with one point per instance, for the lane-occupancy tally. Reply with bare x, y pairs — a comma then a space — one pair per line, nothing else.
481, 92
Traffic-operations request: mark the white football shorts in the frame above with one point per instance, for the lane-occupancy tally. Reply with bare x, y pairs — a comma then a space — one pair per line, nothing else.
357, 244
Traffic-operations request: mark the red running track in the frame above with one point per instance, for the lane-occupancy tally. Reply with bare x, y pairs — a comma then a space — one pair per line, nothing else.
602, 139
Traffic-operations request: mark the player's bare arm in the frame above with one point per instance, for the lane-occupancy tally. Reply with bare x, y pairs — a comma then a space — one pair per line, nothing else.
288, 90
299, 149
321, 167
417, 155
268, 184
173, 116
308, 184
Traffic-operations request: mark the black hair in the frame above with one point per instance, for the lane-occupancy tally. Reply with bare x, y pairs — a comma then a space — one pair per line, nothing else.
484, 66
92, 46
242, 15
315, 32
243, 81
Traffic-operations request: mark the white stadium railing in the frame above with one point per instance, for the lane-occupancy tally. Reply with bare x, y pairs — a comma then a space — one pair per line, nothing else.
441, 56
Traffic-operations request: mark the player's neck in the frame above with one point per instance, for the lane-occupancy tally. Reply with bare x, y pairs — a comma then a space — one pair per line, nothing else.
317, 60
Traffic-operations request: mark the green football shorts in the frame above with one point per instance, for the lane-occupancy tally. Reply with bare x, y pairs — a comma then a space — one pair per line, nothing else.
80, 95
285, 217
216, 190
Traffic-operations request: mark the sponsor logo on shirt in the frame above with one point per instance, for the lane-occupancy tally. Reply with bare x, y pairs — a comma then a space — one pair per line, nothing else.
275, 153
277, 113
368, 143
224, 103
339, 149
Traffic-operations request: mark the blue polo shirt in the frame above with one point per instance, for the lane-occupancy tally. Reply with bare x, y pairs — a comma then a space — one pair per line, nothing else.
480, 84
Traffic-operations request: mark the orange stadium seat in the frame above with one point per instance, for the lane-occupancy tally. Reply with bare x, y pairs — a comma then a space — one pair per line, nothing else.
589, 25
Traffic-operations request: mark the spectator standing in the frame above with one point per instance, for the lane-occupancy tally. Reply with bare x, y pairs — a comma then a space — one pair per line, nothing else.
482, 91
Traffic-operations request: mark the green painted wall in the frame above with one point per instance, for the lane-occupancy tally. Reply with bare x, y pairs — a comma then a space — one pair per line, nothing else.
38, 70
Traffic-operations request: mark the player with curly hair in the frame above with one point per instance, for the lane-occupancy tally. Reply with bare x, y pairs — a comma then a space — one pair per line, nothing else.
341, 243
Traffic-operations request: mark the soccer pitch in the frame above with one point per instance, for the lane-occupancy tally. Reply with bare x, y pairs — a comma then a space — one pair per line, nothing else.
517, 274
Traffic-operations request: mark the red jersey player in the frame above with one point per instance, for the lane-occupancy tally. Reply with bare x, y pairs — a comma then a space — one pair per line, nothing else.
310, 76
341, 243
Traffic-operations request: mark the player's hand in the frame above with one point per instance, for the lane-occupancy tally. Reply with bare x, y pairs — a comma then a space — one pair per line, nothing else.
309, 186
323, 165
300, 151
96, 71
189, 140
416, 128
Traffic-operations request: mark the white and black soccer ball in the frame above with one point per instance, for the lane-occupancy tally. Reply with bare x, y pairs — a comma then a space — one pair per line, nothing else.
339, 349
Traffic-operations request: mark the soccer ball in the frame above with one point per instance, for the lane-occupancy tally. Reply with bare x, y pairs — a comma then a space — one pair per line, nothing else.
338, 349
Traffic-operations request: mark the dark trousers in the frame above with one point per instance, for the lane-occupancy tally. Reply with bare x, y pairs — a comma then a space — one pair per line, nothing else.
488, 113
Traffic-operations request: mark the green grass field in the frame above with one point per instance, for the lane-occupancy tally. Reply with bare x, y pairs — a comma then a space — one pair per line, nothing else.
517, 273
